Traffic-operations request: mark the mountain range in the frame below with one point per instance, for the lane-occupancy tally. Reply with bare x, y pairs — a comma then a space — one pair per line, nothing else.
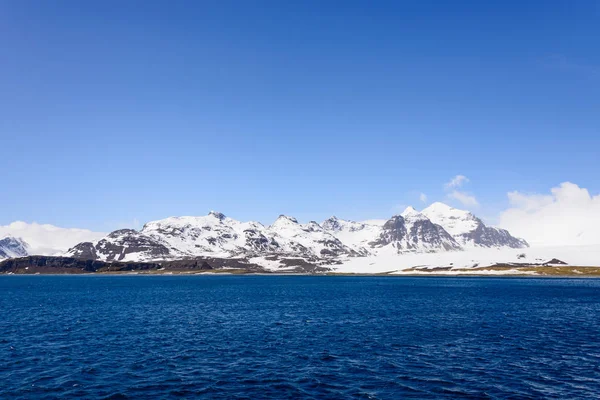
438, 228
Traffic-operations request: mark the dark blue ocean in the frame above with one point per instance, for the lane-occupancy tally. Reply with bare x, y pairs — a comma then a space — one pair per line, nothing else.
255, 337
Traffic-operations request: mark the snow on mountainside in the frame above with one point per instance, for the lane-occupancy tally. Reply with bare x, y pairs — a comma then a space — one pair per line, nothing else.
468, 230
214, 235
439, 228
124, 245
356, 235
414, 232
12, 247
313, 239
448, 262
422, 234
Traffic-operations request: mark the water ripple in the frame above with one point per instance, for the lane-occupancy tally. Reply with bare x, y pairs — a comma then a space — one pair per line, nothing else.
104, 337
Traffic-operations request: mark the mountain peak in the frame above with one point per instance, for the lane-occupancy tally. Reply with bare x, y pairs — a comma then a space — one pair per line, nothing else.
217, 215
314, 226
439, 206
442, 210
410, 210
332, 223
336, 224
413, 215
13, 241
469, 230
13, 247
285, 218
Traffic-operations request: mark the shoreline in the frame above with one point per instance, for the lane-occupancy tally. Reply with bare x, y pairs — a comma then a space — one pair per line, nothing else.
329, 274
46, 265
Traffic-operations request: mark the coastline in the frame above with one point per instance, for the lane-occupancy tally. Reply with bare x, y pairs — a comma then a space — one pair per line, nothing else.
328, 274
45, 265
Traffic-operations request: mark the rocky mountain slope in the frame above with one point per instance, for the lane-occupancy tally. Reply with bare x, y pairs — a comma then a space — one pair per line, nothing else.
414, 232
468, 230
218, 236
11, 247
72, 265
439, 228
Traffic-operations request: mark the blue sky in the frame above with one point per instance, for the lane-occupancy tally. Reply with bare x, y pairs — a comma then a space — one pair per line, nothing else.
118, 111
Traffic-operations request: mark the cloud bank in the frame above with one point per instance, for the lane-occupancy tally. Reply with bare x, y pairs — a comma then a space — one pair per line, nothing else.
462, 197
569, 215
44, 239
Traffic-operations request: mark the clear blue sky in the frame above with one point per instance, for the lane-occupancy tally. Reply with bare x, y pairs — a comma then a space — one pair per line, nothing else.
114, 111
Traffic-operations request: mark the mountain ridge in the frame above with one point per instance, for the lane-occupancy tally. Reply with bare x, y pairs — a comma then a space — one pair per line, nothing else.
438, 228
332, 241
468, 230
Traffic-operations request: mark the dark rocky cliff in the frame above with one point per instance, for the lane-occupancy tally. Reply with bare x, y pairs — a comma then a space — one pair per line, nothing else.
72, 265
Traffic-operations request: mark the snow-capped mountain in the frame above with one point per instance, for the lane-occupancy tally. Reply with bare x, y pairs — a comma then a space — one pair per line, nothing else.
356, 235
214, 235
124, 245
11, 247
468, 230
438, 228
307, 239
412, 231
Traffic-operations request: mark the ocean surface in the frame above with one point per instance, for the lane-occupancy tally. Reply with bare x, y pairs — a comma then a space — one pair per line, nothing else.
255, 337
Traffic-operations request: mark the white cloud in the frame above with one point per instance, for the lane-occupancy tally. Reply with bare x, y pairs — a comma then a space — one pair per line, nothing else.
47, 239
456, 182
423, 197
569, 215
465, 199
